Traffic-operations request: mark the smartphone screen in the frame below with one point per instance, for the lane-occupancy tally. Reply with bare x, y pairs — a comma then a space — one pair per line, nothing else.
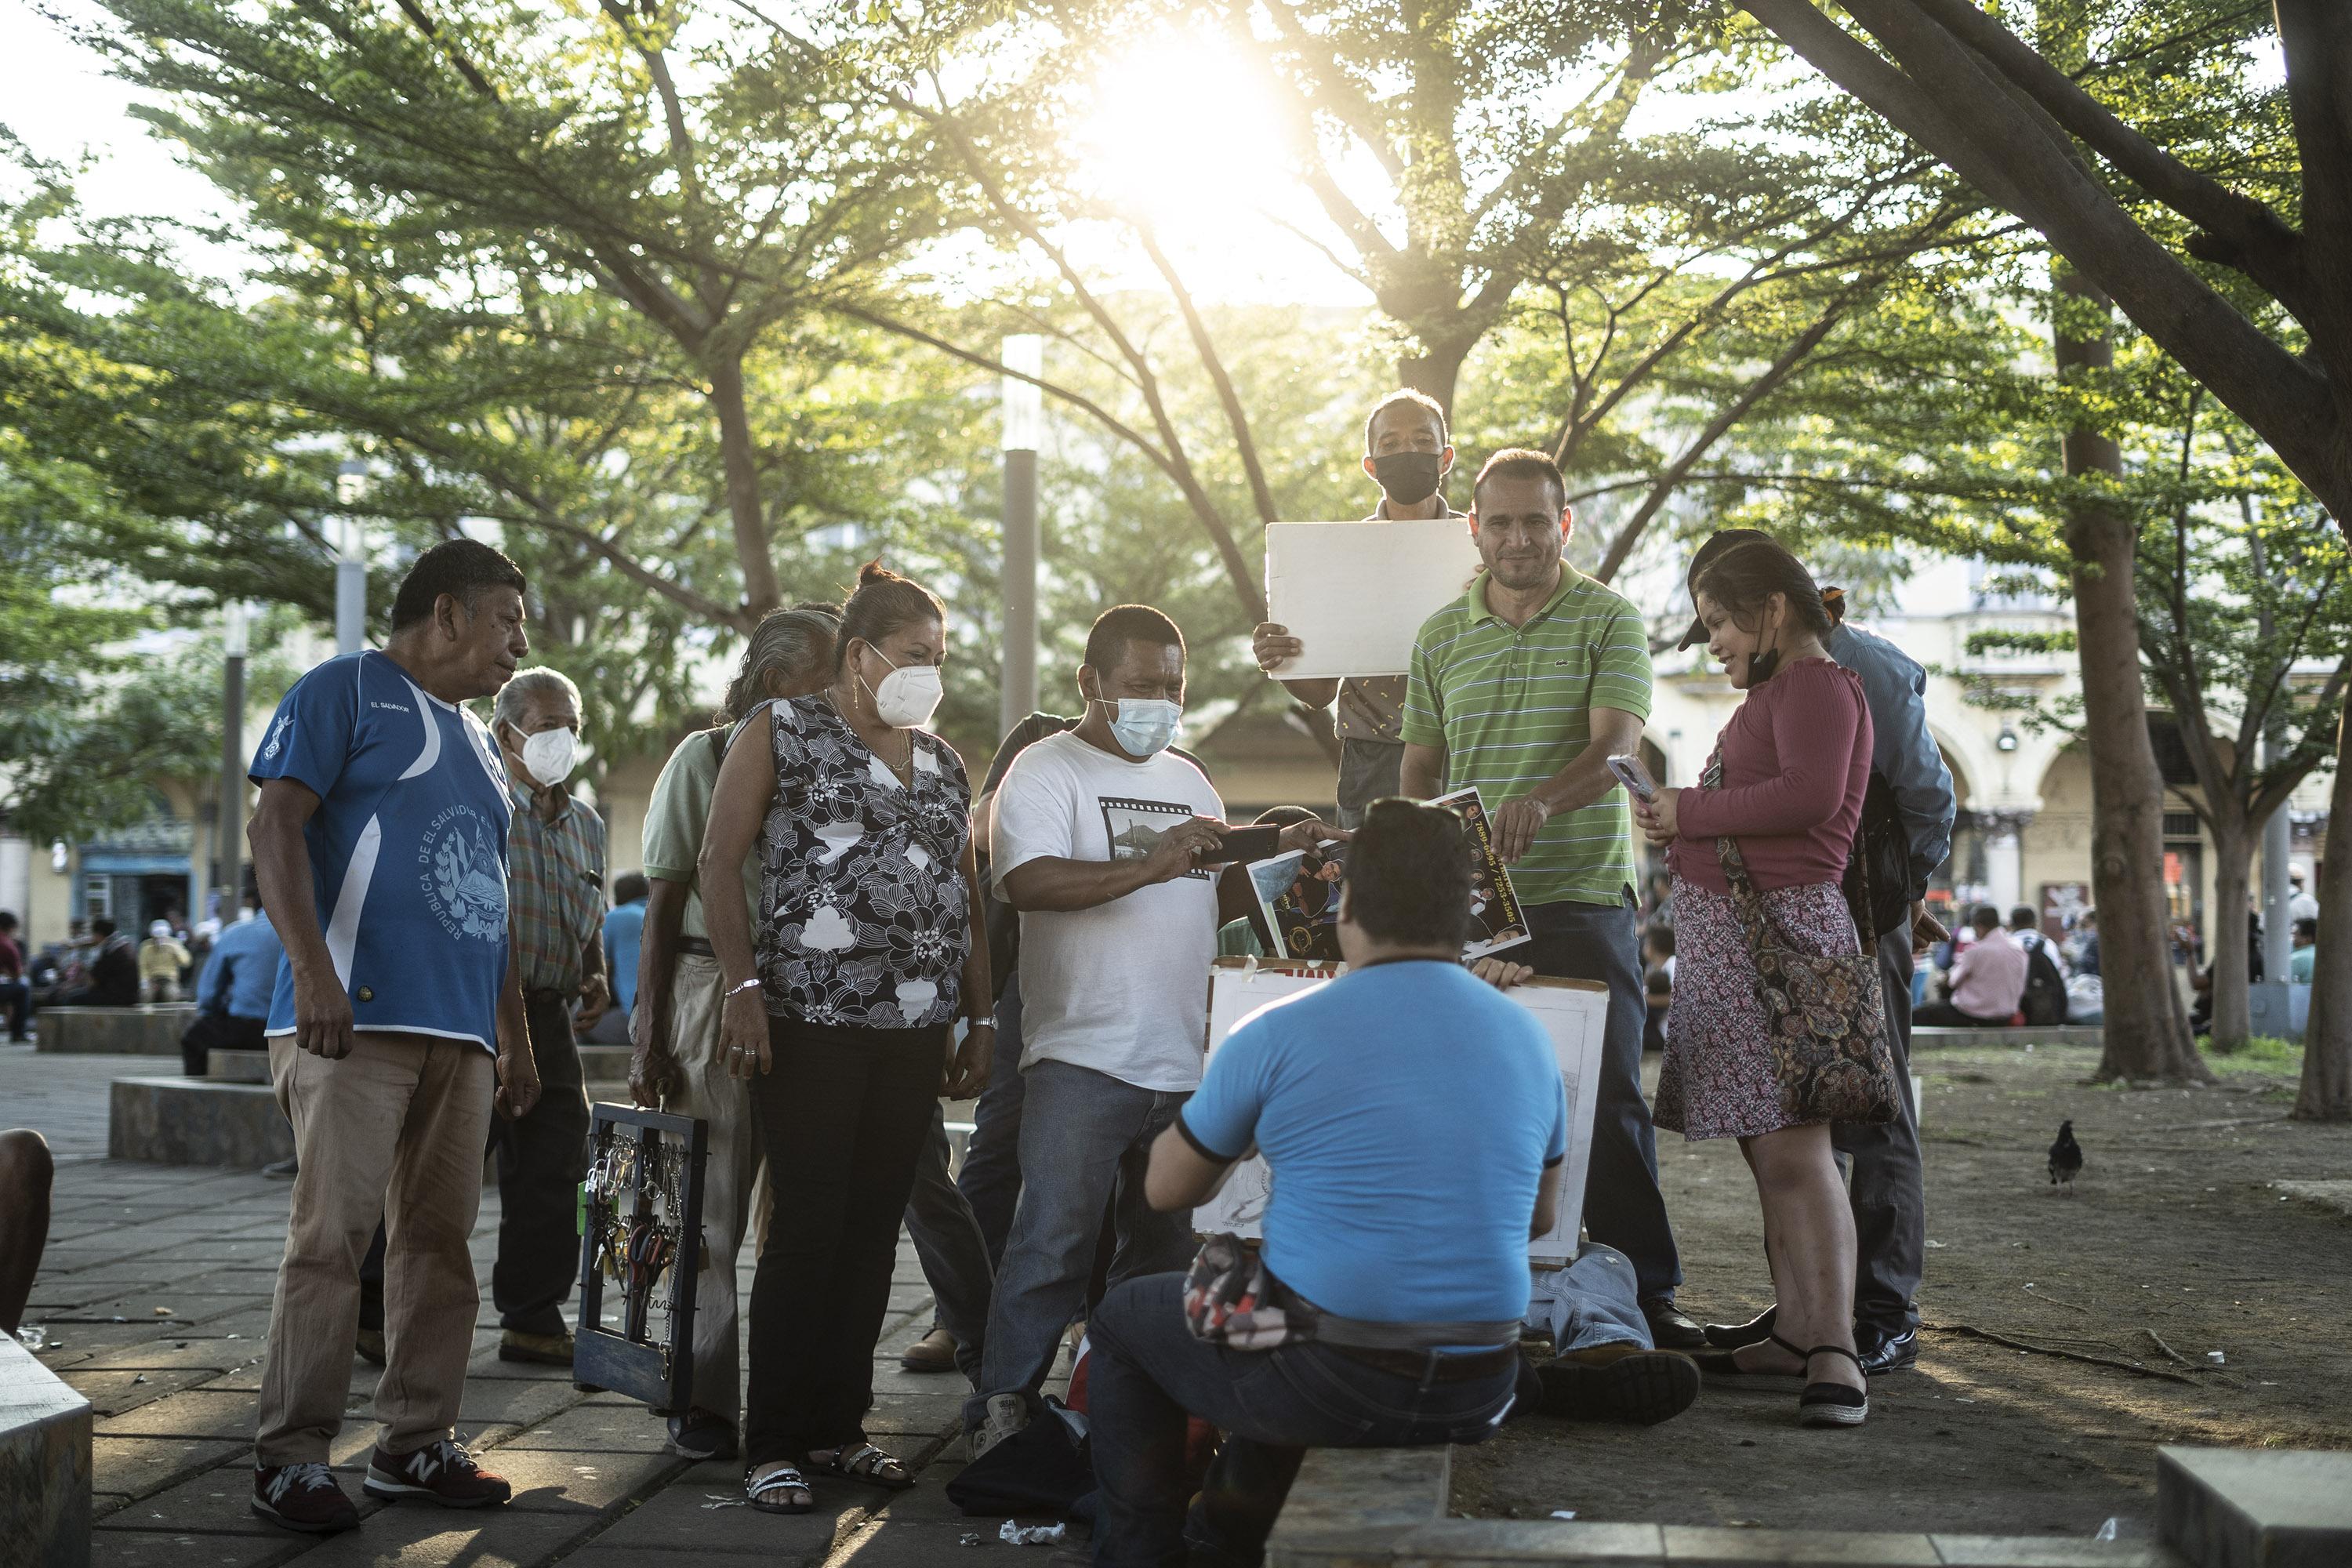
1244, 845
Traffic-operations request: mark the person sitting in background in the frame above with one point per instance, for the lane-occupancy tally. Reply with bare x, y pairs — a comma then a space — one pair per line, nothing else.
1657, 982
16, 991
1405, 1190
110, 972
624, 926
233, 994
2083, 943
1986, 979
2306, 950
161, 959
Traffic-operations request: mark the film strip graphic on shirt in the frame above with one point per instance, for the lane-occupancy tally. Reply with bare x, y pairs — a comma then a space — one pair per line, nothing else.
1134, 827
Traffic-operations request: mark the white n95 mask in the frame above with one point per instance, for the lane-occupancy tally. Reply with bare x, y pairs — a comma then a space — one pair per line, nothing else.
908, 695
548, 756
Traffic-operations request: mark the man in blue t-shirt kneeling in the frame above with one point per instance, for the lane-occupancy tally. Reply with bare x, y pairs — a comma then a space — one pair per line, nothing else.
1416, 1125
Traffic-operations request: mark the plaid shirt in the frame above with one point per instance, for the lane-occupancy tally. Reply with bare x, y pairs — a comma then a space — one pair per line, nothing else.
555, 890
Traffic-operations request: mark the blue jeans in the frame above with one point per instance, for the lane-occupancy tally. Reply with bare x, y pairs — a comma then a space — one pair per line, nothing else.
949, 1245
1147, 1374
1594, 1302
1622, 1205
991, 1179
1085, 1137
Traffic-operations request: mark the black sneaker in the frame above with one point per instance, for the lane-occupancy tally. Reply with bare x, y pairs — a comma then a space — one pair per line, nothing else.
303, 1498
1619, 1383
701, 1434
443, 1471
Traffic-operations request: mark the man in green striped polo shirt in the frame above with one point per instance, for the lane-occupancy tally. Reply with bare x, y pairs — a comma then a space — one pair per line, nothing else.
1525, 686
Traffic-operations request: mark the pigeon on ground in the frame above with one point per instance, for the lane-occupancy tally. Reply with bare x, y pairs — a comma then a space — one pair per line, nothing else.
2065, 1158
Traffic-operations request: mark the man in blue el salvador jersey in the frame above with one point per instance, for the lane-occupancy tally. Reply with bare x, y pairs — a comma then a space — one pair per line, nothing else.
380, 845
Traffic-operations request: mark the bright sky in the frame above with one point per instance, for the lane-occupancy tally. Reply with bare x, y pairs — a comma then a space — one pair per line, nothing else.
1194, 159
62, 104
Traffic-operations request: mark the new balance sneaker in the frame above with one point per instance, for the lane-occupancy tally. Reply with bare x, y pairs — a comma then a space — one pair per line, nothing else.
441, 1471
303, 1498
700, 1434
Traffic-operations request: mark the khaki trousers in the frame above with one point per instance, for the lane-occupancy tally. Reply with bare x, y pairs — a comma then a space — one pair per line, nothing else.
730, 1178
393, 1131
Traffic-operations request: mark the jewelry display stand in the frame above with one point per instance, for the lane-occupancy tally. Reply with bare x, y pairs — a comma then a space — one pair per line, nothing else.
641, 1237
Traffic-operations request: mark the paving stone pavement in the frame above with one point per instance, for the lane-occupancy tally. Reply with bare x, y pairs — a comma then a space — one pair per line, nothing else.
154, 1294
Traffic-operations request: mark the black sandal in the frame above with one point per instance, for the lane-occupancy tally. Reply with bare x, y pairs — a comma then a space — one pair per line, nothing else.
1833, 1404
1723, 1364
785, 1479
864, 1462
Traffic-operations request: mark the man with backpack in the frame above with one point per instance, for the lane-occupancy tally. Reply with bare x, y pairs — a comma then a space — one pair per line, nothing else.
2045, 1003
1905, 834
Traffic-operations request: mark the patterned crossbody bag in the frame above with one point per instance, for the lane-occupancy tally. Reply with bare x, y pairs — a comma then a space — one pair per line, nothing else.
1825, 1016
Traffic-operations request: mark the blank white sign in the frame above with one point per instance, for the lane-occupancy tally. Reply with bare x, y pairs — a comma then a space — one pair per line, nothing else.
1574, 1013
1356, 592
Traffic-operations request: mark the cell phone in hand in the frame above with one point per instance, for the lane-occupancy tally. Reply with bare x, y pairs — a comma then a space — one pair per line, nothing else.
1244, 845
1629, 773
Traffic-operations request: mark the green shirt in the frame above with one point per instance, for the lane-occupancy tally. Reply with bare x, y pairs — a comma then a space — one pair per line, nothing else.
675, 818
1511, 706
2299, 964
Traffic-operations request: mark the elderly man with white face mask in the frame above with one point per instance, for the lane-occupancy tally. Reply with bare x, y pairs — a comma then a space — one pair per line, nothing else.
556, 902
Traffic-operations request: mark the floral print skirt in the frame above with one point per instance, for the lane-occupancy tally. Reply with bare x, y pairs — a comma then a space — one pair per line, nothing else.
1719, 1081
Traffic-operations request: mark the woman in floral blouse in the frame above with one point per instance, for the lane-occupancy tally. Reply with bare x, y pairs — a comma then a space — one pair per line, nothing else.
840, 1009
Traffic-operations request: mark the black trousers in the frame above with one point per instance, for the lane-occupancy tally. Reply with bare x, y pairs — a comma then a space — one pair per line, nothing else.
542, 1158
1888, 1188
1623, 1206
843, 1115
219, 1032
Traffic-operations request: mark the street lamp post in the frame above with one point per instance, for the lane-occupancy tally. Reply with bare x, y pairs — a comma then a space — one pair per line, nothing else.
1024, 420
350, 561
228, 863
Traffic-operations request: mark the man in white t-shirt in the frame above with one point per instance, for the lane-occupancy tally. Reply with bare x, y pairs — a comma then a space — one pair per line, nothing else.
1102, 840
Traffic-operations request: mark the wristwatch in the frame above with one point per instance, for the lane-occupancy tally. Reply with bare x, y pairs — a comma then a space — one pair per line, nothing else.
735, 991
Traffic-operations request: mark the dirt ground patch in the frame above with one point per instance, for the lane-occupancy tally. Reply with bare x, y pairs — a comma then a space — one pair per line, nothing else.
2176, 1232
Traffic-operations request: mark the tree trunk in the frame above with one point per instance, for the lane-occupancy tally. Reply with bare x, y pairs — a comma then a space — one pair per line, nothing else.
1435, 370
761, 592
2327, 1094
2233, 853
2146, 1035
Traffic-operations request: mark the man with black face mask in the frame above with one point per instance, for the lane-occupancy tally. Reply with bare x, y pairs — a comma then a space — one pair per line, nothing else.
1407, 452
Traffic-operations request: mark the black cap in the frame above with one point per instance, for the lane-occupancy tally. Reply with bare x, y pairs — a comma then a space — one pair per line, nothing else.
1721, 540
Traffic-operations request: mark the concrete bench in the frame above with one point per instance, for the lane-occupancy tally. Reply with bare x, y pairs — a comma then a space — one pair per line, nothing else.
1923, 1038
196, 1122
150, 1029
1353, 1507
44, 1464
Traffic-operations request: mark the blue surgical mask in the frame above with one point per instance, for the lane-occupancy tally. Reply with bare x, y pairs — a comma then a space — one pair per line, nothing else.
1144, 725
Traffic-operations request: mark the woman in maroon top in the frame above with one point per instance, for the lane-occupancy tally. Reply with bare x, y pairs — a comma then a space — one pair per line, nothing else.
1794, 761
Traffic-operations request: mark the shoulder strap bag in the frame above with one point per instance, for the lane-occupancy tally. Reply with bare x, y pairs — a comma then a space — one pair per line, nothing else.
1826, 1018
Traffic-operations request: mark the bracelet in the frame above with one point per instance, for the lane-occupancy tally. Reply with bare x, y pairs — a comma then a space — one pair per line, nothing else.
734, 990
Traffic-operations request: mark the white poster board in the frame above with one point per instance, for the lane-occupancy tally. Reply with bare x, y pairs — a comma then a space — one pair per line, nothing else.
1573, 1012
1356, 592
